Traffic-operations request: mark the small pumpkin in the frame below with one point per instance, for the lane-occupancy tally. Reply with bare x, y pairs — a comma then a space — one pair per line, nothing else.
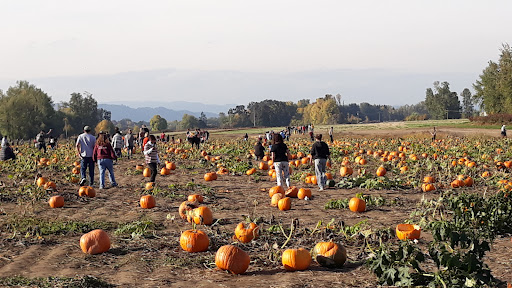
346, 171
408, 231
274, 190
275, 199
245, 233
194, 241
201, 215
330, 254
251, 171
284, 204
164, 171
292, 192
95, 242
195, 197
232, 259
139, 167
50, 185
381, 171
428, 179
87, 191
170, 165
357, 205
146, 172
296, 259
147, 202
303, 193
56, 201
210, 176
457, 183
263, 166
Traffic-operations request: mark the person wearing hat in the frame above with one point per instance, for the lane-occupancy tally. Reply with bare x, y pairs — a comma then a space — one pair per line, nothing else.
6, 152
85, 146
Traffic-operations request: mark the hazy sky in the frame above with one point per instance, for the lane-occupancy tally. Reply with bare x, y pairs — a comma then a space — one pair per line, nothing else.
43, 40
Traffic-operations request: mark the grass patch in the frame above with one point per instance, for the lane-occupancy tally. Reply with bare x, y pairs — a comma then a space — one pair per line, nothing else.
198, 261
80, 282
31, 226
138, 228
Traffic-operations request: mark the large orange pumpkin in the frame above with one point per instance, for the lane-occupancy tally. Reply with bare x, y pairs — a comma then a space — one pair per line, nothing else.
95, 242
303, 193
194, 241
284, 204
147, 202
275, 189
357, 205
346, 171
245, 233
292, 192
56, 201
146, 172
330, 254
296, 259
232, 259
408, 231
381, 171
87, 191
275, 199
201, 215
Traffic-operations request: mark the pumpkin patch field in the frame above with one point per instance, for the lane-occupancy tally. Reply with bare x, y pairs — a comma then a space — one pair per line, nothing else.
399, 210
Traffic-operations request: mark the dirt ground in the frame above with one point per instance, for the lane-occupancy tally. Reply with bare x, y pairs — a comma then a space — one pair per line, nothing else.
157, 260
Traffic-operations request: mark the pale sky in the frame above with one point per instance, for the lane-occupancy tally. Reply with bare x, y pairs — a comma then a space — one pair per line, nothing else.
42, 40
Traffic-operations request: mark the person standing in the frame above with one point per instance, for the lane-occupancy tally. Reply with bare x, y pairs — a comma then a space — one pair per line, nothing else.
503, 131
40, 140
331, 131
259, 150
117, 143
129, 142
104, 155
6, 152
320, 154
280, 155
151, 156
85, 147
433, 133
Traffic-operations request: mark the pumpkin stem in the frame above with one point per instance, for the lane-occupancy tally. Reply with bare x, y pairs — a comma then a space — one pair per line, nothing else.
293, 226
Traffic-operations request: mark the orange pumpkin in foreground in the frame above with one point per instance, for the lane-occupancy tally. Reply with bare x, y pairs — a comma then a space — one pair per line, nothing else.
87, 191
185, 207
245, 233
232, 259
147, 202
296, 259
194, 241
95, 242
330, 254
357, 205
56, 201
408, 231
284, 204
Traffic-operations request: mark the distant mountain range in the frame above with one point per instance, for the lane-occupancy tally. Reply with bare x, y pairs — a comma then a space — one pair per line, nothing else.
120, 112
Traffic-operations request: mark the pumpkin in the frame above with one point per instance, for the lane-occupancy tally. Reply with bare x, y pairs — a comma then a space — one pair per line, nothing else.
263, 166
165, 171
170, 165
232, 259
408, 231
330, 254
75, 170
245, 233
292, 192
149, 186
185, 207
87, 191
275, 199
274, 190
346, 171
147, 202
195, 197
330, 183
50, 185
210, 176
328, 175
427, 187
486, 174
457, 183
95, 242
194, 241
56, 201
41, 181
381, 171
74, 179
303, 193
468, 182
251, 171
296, 259
139, 167
146, 172
428, 179
201, 215
357, 205
284, 204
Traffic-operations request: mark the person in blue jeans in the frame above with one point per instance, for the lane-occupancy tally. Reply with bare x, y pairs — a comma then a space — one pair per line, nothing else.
104, 155
85, 147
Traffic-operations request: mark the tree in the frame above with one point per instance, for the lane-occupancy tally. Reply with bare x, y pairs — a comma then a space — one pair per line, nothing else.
323, 111
158, 123
441, 102
271, 113
493, 91
83, 111
189, 122
467, 103
25, 110
203, 121
105, 126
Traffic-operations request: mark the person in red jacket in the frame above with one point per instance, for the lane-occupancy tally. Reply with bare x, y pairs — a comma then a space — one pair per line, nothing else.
104, 154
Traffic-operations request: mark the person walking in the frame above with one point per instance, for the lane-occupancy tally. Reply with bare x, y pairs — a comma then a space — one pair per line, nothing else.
40, 140
280, 155
503, 131
104, 155
434, 134
117, 143
151, 156
331, 131
129, 142
320, 154
85, 147
259, 150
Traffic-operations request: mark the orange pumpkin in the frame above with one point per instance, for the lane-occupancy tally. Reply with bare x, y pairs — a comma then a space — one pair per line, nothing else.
201, 215
195, 197
245, 233
284, 204
50, 185
457, 183
232, 259
296, 259
147, 202
164, 171
263, 166
303, 193
428, 179
146, 172
346, 171
381, 171
357, 205
95, 242
149, 186
427, 187
292, 192
330, 254
139, 167
185, 207
251, 171
210, 176
274, 190
194, 241
408, 231
170, 165
87, 191
56, 201
275, 199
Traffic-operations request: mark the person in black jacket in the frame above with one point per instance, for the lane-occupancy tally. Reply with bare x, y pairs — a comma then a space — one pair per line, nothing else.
320, 154
6, 152
280, 156
259, 150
